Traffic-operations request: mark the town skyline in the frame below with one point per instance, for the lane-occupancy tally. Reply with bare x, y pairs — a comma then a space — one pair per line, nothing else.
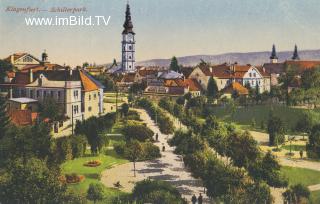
191, 28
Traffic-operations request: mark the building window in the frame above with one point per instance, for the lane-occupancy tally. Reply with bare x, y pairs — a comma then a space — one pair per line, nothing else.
38, 93
250, 75
89, 108
130, 47
44, 94
76, 109
129, 57
51, 94
75, 94
23, 93
89, 97
59, 95
254, 75
94, 96
31, 93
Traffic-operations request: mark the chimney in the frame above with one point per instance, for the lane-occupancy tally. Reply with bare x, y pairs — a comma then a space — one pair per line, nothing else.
70, 71
12, 59
30, 75
210, 69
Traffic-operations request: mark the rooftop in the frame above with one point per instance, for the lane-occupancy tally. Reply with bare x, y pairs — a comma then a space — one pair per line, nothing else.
23, 100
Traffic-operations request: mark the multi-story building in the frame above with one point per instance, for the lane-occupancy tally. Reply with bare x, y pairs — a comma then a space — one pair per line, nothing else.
77, 93
225, 74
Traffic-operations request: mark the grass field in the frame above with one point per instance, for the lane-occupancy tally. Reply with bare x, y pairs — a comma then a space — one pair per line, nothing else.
92, 174
306, 177
260, 114
294, 147
315, 197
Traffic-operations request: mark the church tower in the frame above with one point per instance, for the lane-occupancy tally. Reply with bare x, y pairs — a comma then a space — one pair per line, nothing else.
295, 53
128, 44
273, 57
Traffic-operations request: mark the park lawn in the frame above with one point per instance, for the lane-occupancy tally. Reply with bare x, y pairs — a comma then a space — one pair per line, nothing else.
296, 175
260, 114
92, 174
294, 147
315, 197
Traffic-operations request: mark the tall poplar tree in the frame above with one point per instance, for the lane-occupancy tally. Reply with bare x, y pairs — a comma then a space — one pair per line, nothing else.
4, 119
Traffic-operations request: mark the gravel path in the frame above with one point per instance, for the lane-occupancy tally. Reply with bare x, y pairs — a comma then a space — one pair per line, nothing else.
169, 167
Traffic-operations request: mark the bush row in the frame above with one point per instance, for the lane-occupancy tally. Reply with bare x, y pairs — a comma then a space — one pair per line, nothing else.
149, 150
164, 122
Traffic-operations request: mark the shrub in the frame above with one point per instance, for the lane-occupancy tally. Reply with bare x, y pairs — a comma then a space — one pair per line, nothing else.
157, 192
73, 178
78, 145
164, 122
150, 151
119, 148
138, 132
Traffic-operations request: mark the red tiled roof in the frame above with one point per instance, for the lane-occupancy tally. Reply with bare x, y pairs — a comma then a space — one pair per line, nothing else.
263, 71
303, 65
15, 56
193, 84
87, 83
38, 67
144, 72
236, 86
128, 78
230, 71
174, 83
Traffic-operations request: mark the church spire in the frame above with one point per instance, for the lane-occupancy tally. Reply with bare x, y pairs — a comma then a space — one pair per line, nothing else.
273, 57
295, 53
128, 26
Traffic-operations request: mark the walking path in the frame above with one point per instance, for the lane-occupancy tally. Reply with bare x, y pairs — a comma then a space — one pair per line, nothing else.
169, 167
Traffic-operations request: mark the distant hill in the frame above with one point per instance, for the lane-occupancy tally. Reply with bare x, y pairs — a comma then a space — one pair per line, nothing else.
254, 58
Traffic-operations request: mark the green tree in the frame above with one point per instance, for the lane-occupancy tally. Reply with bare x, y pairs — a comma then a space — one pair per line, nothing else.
313, 145
4, 68
95, 192
125, 109
49, 108
133, 152
174, 66
244, 149
276, 130
296, 193
267, 169
212, 89
305, 123
287, 79
157, 192
31, 182
4, 119
107, 82
85, 65
310, 78
137, 132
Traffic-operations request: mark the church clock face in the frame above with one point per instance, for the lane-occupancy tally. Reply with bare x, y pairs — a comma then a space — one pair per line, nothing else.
130, 37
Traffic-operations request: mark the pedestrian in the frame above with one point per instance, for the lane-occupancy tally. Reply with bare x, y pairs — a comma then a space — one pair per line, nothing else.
157, 137
163, 148
301, 154
200, 199
194, 199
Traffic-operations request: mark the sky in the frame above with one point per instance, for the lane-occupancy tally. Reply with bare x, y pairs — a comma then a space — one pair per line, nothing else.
163, 28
